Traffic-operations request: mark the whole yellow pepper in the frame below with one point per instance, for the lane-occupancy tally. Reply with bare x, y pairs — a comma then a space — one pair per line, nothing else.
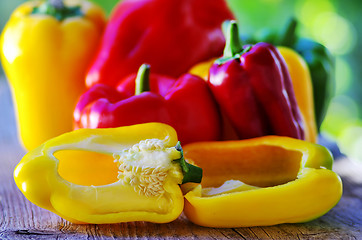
109, 175
262, 181
202, 69
303, 89
45, 51
302, 85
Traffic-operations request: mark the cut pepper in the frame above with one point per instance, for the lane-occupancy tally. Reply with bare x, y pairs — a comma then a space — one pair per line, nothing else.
109, 175
262, 181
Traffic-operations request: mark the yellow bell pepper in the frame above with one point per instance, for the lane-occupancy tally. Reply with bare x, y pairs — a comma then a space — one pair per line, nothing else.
302, 85
303, 89
202, 69
109, 175
263, 181
45, 51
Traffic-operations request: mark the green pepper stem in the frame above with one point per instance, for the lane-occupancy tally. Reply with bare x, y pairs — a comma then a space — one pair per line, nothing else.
232, 45
288, 36
58, 10
194, 174
143, 79
191, 172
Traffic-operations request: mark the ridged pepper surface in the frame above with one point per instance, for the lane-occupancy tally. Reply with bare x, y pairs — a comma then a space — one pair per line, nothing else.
302, 86
320, 61
171, 36
253, 89
303, 90
45, 51
185, 103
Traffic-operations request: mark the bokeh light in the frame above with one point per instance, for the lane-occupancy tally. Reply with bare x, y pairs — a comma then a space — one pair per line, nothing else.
351, 140
342, 112
308, 11
343, 76
335, 32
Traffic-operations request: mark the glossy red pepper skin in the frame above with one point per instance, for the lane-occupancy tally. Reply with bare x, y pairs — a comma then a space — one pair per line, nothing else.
254, 90
170, 35
185, 103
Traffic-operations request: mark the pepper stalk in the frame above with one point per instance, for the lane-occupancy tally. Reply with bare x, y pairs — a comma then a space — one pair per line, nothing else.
288, 37
191, 172
58, 9
233, 47
143, 79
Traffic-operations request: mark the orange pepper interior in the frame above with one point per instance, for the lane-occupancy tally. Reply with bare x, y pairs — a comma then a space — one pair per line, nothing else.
86, 168
259, 165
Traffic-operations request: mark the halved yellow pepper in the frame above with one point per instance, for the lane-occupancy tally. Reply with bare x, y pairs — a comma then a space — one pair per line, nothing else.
302, 85
108, 175
263, 181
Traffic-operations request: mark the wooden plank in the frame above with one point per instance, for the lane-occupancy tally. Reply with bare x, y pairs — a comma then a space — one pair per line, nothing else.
20, 219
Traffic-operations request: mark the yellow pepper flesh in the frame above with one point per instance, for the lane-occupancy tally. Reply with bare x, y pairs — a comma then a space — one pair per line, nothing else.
52, 184
275, 180
45, 62
302, 85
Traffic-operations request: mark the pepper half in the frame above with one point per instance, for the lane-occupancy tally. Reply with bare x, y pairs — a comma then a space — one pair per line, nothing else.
262, 181
109, 175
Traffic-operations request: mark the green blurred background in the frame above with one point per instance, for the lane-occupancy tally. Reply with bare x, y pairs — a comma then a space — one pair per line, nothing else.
334, 23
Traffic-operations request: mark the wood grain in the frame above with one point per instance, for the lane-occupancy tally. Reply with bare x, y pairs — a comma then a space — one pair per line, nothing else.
20, 219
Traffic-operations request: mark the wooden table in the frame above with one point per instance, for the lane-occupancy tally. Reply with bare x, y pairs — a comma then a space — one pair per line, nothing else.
20, 219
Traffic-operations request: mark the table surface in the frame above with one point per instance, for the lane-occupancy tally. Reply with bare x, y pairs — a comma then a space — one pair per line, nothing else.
20, 219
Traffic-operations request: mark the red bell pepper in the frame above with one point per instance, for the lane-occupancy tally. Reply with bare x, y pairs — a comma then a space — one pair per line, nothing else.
185, 103
170, 35
253, 89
